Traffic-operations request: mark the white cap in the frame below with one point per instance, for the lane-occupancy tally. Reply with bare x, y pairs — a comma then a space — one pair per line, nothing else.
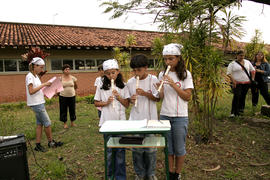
110, 64
172, 49
37, 61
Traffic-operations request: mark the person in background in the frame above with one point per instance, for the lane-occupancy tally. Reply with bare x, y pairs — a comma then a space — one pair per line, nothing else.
144, 159
35, 97
98, 83
176, 92
67, 97
114, 103
261, 77
240, 82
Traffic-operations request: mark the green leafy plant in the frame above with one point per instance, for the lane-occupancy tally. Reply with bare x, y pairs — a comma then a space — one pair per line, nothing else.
255, 46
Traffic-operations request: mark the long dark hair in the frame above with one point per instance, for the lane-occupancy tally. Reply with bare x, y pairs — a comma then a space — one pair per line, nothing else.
180, 69
118, 82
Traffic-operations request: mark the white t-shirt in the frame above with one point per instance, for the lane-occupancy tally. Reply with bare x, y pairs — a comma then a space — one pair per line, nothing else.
146, 108
38, 97
237, 73
98, 82
108, 112
173, 105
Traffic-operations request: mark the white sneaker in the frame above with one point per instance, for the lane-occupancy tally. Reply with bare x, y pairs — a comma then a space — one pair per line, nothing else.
232, 116
178, 177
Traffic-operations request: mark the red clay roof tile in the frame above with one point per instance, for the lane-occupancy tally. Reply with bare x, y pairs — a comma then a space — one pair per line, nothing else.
21, 34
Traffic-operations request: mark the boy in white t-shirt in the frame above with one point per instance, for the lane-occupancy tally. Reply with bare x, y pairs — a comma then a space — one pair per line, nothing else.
144, 159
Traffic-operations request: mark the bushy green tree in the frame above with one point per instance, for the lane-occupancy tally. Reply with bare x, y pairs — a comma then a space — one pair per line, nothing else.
256, 44
191, 23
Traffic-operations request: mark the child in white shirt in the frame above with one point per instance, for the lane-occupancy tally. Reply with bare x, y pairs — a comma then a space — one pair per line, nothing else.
144, 159
176, 93
98, 83
35, 99
113, 103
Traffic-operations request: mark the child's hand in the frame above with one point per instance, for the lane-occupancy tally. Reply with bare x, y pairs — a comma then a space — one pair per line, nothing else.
115, 93
110, 99
48, 83
133, 99
141, 92
157, 85
168, 80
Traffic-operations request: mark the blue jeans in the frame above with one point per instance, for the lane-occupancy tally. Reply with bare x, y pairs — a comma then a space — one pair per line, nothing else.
144, 161
177, 135
119, 163
42, 117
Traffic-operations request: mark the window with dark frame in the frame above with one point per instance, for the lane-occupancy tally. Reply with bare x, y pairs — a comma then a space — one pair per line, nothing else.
23, 66
1, 65
10, 65
69, 62
89, 64
79, 64
100, 61
56, 64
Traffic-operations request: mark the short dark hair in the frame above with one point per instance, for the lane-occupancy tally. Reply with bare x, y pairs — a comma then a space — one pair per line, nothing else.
240, 52
138, 61
100, 67
65, 66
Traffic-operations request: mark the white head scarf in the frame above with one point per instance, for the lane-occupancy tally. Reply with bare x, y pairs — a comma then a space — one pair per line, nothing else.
172, 49
110, 64
38, 61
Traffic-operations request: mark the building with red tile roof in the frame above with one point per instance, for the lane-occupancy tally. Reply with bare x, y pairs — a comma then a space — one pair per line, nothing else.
84, 48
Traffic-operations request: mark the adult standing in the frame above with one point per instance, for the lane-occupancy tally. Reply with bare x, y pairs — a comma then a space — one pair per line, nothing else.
261, 77
67, 97
240, 72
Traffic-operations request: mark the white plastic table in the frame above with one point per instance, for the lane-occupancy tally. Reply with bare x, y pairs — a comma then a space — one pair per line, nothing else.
123, 127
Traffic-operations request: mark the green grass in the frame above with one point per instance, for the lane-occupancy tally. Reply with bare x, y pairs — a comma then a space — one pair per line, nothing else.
236, 144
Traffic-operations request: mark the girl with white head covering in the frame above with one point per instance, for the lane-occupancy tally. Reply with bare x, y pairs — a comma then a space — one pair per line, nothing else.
35, 97
113, 98
176, 92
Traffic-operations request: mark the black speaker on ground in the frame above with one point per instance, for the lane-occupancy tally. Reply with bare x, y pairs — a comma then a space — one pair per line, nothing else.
13, 159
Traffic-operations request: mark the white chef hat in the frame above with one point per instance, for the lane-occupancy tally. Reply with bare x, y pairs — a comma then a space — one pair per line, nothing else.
172, 49
110, 64
37, 61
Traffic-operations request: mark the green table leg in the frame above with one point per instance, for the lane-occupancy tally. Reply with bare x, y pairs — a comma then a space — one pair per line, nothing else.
166, 157
105, 155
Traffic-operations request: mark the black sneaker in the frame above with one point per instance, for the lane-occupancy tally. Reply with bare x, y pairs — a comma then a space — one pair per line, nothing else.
54, 144
40, 148
172, 175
